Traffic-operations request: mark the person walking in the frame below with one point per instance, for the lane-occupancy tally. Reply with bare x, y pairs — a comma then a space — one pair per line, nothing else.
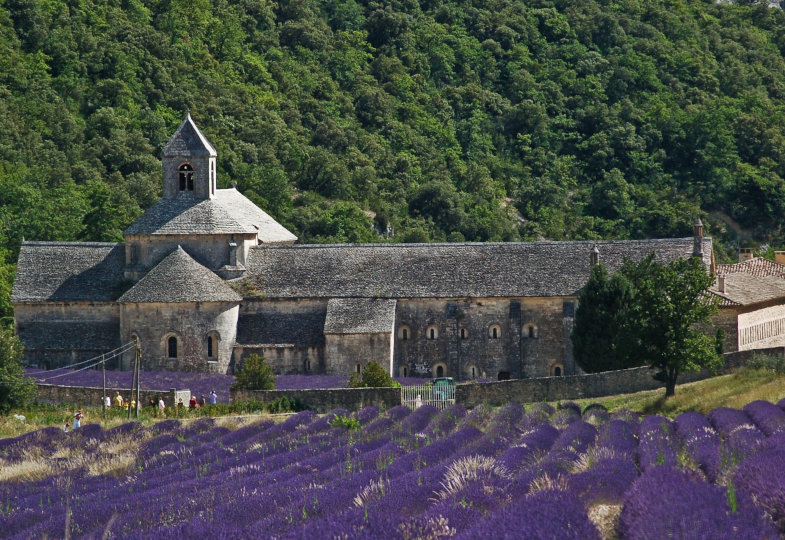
107, 401
78, 419
192, 402
118, 400
213, 397
201, 401
161, 405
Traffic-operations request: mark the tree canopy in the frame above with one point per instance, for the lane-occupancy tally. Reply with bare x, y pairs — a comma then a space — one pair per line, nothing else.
395, 120
15, 388
647, 314
255, 374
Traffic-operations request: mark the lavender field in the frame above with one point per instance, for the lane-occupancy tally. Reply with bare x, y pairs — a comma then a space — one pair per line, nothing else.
513, 472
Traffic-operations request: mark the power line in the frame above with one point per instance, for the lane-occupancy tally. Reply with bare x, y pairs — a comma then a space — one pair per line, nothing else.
92, 359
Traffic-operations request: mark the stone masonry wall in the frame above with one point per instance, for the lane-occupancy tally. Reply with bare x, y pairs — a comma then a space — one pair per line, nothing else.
345, 352
85, 396
322, 401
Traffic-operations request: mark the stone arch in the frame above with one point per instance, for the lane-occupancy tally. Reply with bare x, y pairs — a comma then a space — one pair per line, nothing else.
358, 368
432, 332
185, 175
557, 369
404, 332
439, 369
530, 330
463, 332
472, 372
172, 346
495, 331
213, 339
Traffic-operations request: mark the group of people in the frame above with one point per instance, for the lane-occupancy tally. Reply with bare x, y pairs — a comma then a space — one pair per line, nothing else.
157, 404
201, 402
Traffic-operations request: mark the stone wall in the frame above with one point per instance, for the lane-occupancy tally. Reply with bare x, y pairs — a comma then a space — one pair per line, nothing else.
346, 353
85, 396
322, 401
532, 336
190, 323
760, 325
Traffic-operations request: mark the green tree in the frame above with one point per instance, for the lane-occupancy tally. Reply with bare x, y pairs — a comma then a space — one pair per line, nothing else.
646, 314
255, 374
373, 376
670, 306
600, 322
15, 388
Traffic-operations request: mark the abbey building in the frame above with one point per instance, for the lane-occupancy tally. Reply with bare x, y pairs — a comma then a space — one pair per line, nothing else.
205, 278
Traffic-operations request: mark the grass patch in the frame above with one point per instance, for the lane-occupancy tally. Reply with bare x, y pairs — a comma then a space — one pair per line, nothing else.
734, 390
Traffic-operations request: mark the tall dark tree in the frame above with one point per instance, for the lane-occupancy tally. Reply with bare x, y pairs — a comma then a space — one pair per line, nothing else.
603, 308
15, 388
646, 314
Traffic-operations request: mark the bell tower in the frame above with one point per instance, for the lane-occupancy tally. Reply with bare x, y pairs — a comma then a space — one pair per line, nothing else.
188, 161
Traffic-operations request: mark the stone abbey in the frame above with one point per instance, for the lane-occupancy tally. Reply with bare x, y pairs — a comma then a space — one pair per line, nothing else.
205, 278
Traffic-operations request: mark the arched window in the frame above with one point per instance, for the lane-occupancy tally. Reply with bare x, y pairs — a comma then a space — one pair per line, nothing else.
307, 365
464, 332
357, 367
432, 332
186, 176
403, 371
404, 332
439, 371
210, 351
529, 330
494, 331
472, 372
171, 347
557, 370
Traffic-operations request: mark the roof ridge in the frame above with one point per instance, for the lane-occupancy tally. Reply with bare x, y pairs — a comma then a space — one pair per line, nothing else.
67, 243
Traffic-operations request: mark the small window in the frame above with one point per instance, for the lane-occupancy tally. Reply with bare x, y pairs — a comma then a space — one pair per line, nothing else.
432, 332
439, 371
494, 331
404, 332
529, 331
186, 176
210, 352
464, 333
557, 370
171, 347
357, 367
473, 372
307, 365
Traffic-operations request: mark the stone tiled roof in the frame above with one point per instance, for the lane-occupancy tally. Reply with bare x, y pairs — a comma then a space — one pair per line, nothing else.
69, 272
281, 328
254, 218
229, 212
188, 140
179, 278
757, 266
75, 336
444, 270
743, 289
359, 316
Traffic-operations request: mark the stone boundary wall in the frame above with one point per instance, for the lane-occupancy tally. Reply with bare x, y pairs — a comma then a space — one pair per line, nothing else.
469, 395
86, 396
322, 401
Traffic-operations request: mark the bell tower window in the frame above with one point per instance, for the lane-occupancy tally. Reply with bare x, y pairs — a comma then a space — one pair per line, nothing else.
186, 176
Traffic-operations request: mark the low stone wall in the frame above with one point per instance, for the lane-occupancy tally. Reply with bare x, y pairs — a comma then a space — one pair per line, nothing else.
738, 359
321, 401
86, 396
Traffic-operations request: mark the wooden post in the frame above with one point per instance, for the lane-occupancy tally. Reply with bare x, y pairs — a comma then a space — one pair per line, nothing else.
103, 393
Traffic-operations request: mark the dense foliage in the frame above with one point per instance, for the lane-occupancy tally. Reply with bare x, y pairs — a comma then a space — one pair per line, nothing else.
399, 120
15, 387
507, 473
255, 374
373, 376
647, 313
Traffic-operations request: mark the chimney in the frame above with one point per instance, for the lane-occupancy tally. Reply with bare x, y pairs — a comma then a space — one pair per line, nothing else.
595, 256
779, 257
697, 239
721, 283
232, 253
745, 254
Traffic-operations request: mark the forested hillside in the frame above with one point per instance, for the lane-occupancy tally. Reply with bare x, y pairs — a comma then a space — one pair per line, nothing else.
432, 120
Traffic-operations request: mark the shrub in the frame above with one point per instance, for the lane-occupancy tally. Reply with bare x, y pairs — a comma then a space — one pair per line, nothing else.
373, 376
255, 374
768, 362
348, 422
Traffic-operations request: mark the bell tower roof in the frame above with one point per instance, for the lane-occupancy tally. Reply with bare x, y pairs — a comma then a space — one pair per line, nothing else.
187, 141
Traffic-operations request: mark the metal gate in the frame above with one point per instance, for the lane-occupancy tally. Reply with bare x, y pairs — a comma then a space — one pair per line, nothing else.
440, 396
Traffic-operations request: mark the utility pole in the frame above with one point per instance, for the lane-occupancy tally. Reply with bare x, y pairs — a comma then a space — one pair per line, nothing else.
133, 382
138, 375
103, 393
